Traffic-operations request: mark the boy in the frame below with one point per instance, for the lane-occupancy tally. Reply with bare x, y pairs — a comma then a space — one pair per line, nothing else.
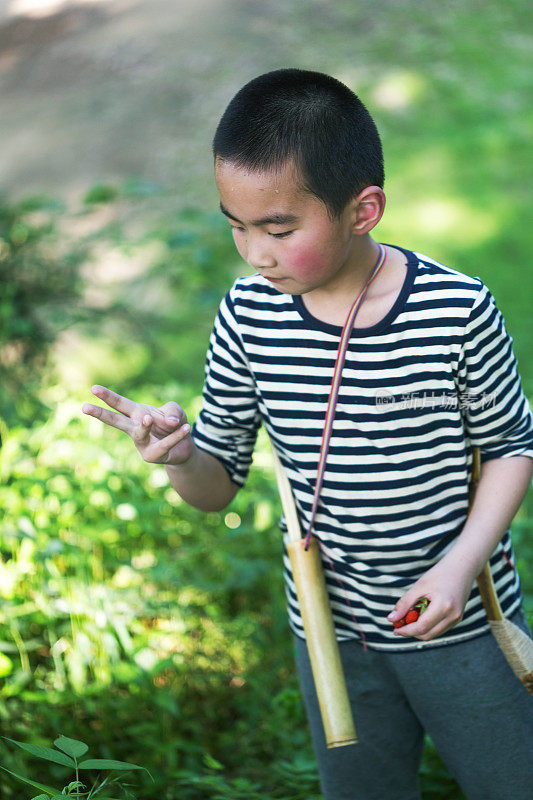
299, 169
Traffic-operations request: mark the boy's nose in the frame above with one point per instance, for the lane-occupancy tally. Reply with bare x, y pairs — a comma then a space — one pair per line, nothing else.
258, 257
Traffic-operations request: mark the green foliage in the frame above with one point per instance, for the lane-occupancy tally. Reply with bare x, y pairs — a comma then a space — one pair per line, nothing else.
75, 749
100, 193
176, 296
118, 613
124, 609
40, 283
162, 312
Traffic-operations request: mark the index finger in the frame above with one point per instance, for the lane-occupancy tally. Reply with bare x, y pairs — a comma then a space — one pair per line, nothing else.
122, 404
109, 417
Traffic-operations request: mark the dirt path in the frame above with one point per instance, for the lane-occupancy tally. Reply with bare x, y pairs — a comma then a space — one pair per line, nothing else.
104, 91
101, 91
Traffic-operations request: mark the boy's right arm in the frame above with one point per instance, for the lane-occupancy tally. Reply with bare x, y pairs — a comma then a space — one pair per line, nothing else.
202, 481
162, 436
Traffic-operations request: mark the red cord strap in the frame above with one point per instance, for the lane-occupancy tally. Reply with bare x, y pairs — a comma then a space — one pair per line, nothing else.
334, 391
330, 413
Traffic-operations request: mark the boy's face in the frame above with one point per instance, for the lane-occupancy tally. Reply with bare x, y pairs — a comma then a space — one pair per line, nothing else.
286, 234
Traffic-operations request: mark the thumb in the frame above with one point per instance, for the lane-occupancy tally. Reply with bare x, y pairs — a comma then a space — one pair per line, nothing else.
141, 430
404, 604
172, 411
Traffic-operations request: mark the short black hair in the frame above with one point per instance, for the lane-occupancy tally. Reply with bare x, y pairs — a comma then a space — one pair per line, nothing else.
308, 118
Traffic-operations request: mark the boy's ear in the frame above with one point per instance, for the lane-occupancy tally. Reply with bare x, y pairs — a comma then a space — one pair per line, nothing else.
367, 209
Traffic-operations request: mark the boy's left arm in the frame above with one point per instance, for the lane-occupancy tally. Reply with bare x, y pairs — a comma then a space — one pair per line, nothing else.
502, 427
501, 489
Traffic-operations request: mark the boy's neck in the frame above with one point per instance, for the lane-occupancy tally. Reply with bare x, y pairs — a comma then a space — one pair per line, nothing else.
364, 262
333, 306
359, 266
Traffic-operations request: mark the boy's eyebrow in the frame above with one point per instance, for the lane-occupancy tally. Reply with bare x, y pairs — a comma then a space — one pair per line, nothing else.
273, 219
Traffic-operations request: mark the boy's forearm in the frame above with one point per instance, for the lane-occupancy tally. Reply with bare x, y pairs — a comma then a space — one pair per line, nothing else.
202, 481
502, 487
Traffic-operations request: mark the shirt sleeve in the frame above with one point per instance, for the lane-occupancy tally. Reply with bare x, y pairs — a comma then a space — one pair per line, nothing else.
497, 414
228, 423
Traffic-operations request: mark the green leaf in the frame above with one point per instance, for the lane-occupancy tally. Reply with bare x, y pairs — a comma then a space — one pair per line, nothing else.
45, 752
49, 797
212, 762
75, 785
107, 763
72, 747
42, 786
6, 665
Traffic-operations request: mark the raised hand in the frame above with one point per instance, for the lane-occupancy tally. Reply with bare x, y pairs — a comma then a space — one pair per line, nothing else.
161, 435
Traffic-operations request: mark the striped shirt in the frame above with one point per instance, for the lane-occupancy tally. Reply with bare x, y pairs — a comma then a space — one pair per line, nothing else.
436, 376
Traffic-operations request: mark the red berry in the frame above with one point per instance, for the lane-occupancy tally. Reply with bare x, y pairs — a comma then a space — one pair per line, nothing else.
411, 616
399, 622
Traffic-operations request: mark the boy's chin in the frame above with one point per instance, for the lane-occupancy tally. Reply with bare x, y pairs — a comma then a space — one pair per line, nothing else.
285, 287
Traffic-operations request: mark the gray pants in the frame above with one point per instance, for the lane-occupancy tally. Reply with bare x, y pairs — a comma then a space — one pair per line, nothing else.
465, 696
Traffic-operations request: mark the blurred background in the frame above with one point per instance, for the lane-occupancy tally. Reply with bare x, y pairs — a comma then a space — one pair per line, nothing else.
155, 633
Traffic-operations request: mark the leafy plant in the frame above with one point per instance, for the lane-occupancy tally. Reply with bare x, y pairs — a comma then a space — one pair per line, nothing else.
41, 285
67, 754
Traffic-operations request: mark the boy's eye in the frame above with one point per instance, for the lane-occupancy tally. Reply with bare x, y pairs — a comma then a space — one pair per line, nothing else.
275, 235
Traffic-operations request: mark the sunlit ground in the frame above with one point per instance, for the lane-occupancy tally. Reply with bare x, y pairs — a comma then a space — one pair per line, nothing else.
43, 8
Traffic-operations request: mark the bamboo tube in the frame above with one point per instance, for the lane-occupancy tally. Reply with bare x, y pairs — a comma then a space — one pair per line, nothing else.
315, 609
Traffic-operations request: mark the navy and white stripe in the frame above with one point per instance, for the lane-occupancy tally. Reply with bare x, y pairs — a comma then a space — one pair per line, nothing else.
395, 490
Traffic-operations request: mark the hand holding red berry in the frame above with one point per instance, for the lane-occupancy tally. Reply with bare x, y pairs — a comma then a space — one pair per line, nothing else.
445, 587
